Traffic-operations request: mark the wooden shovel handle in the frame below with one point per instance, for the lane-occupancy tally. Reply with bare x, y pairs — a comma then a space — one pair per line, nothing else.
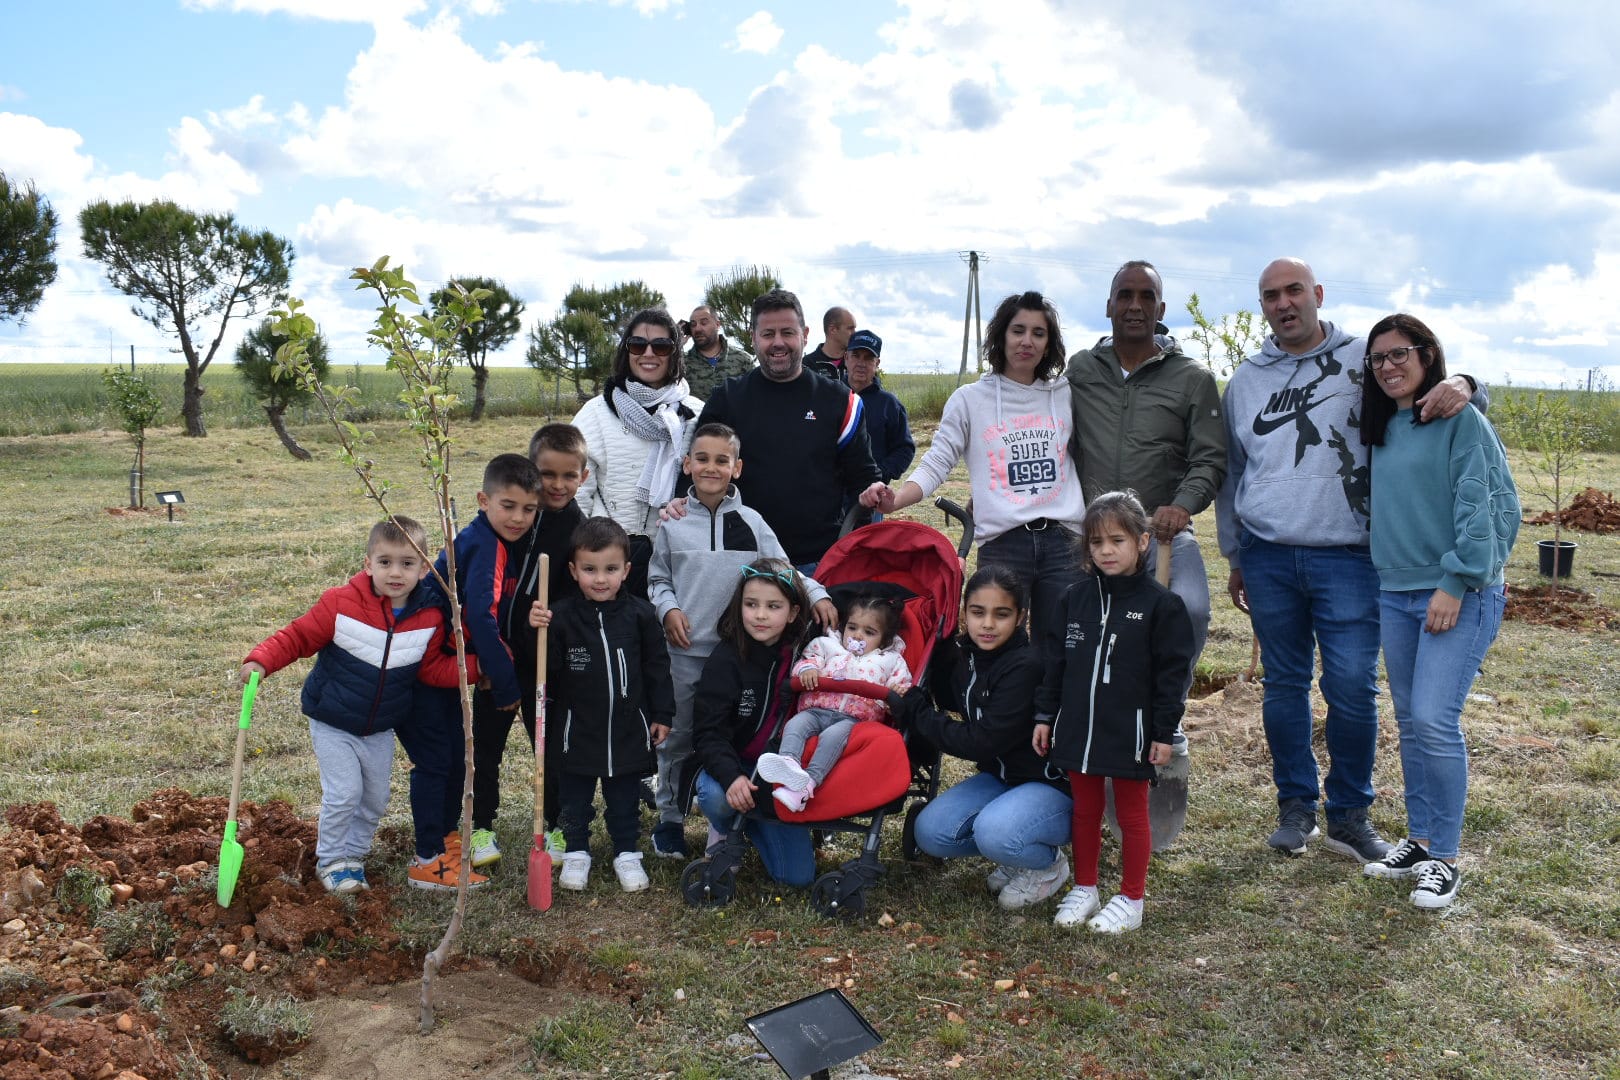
540, 703
1161, 569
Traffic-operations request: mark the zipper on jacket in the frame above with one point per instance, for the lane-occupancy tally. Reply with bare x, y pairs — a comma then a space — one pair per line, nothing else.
568, 729
1138, 734
976, 713
624, 675
1106, 602
607, 662
1108, 660
382, 675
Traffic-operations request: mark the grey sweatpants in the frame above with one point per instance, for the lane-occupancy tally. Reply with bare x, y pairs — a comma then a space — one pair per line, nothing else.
684, 671
833, 727
354, 789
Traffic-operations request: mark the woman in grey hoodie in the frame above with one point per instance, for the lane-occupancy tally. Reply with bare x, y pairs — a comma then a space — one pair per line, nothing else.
1013, 428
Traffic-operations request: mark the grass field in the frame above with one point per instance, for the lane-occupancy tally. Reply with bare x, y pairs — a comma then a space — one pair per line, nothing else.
122, 632
57, 399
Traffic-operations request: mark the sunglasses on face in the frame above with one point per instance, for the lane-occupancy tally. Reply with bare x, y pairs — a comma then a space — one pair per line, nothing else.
660, 346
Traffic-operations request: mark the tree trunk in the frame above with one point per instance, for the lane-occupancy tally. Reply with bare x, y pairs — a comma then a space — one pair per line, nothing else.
277, 414
191, 406
480, 382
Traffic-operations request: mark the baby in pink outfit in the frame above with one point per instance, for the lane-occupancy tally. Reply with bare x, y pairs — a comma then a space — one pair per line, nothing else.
870, 651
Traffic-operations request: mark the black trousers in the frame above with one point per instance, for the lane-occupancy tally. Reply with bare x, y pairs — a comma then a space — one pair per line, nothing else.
491, 729
621, 801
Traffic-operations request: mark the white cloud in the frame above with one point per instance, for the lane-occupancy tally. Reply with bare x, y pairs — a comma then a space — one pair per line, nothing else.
758, 34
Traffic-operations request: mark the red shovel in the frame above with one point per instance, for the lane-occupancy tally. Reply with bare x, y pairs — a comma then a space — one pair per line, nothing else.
539, 857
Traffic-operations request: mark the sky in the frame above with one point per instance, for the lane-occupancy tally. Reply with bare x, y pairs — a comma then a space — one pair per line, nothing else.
1458, 160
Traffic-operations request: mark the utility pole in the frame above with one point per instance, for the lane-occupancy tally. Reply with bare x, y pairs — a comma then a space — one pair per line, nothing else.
970, 316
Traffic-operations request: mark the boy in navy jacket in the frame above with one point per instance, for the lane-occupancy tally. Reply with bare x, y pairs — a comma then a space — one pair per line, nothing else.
485, 582
373, 638
610, 701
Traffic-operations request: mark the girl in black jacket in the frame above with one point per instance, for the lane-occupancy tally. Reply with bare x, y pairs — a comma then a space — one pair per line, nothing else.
1014, 811
741, 702
1111, 698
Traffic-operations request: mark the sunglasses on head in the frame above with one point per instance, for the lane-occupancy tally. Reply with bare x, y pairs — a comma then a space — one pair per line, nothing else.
660, 346
783, 576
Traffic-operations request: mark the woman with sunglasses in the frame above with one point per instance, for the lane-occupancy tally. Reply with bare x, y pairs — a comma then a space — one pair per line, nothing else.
636, 432
1444, 517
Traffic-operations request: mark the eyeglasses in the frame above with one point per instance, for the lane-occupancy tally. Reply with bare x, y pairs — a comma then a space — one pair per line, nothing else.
786, 577
1396, 356
660, 346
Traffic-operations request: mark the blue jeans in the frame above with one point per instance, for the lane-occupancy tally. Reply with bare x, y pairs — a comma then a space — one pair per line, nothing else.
1020, 825
1429, 677
1048, 559
1190, 581
1302, 598
785, 849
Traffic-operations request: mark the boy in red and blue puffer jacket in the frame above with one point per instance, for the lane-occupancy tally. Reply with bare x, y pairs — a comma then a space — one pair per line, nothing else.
374, 639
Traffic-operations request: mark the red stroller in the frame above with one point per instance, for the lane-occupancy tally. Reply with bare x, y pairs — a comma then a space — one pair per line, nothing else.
881, 770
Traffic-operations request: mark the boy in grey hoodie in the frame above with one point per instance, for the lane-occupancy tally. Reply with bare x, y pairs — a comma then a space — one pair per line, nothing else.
1292, 518
693, 574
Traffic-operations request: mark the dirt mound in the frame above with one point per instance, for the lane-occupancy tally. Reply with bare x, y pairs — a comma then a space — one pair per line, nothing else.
1591, 511
1561, 606
111, 939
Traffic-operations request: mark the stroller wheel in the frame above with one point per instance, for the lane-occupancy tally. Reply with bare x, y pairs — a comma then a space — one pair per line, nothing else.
837, 895
704, 884
908, 835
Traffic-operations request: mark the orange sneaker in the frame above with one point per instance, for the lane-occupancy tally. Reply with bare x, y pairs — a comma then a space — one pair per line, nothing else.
443, 873
452, 844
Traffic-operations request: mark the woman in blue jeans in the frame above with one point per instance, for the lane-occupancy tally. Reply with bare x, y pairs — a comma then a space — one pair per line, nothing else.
1010, 811
1444, 517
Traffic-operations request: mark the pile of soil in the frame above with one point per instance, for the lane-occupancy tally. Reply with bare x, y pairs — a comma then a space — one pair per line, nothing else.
1561, 606
83, 998
1591, 511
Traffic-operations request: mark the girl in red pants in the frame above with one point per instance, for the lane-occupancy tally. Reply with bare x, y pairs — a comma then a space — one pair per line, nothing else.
1115, 669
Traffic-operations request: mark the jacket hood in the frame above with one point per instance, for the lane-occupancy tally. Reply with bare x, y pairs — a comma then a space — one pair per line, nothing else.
421, 596
1042, 393
1272, 353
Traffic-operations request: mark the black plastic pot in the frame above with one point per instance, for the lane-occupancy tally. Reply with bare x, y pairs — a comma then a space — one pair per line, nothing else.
1561, 551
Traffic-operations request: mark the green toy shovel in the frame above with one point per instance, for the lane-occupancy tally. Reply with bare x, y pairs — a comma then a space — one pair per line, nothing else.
230, 852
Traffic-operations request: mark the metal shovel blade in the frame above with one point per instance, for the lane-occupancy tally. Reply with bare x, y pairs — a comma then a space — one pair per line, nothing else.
1167, 804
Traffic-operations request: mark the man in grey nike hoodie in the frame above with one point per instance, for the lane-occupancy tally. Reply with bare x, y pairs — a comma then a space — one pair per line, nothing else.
1292, 521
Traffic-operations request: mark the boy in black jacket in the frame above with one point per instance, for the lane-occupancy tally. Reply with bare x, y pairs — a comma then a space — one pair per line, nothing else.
610, 701
558, 454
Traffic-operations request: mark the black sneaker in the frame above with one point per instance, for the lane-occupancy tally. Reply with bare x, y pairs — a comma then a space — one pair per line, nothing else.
1296, 823
669, 840
1437, 884
1354, 836
1402, 861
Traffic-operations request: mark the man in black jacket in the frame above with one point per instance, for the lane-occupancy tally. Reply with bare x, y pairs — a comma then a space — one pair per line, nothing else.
803, 439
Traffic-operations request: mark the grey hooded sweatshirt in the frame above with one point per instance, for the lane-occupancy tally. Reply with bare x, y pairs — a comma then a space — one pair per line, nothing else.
1296, 472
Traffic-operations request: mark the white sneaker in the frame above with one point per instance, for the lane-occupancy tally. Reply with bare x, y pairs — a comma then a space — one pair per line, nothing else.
627, 864
576, 871
997, 879
781, 769
1120, 915
1080, 905
1032, 886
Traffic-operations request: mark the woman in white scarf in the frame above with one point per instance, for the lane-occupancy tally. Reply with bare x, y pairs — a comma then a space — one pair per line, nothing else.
636, 433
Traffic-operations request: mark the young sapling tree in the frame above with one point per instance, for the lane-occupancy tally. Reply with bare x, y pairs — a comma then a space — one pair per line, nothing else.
422, 348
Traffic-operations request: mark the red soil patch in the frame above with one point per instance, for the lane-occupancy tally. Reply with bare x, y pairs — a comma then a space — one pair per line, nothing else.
70, 994
1561, 606
1591, 511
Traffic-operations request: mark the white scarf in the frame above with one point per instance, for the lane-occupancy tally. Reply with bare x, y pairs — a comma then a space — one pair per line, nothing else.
649, 413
